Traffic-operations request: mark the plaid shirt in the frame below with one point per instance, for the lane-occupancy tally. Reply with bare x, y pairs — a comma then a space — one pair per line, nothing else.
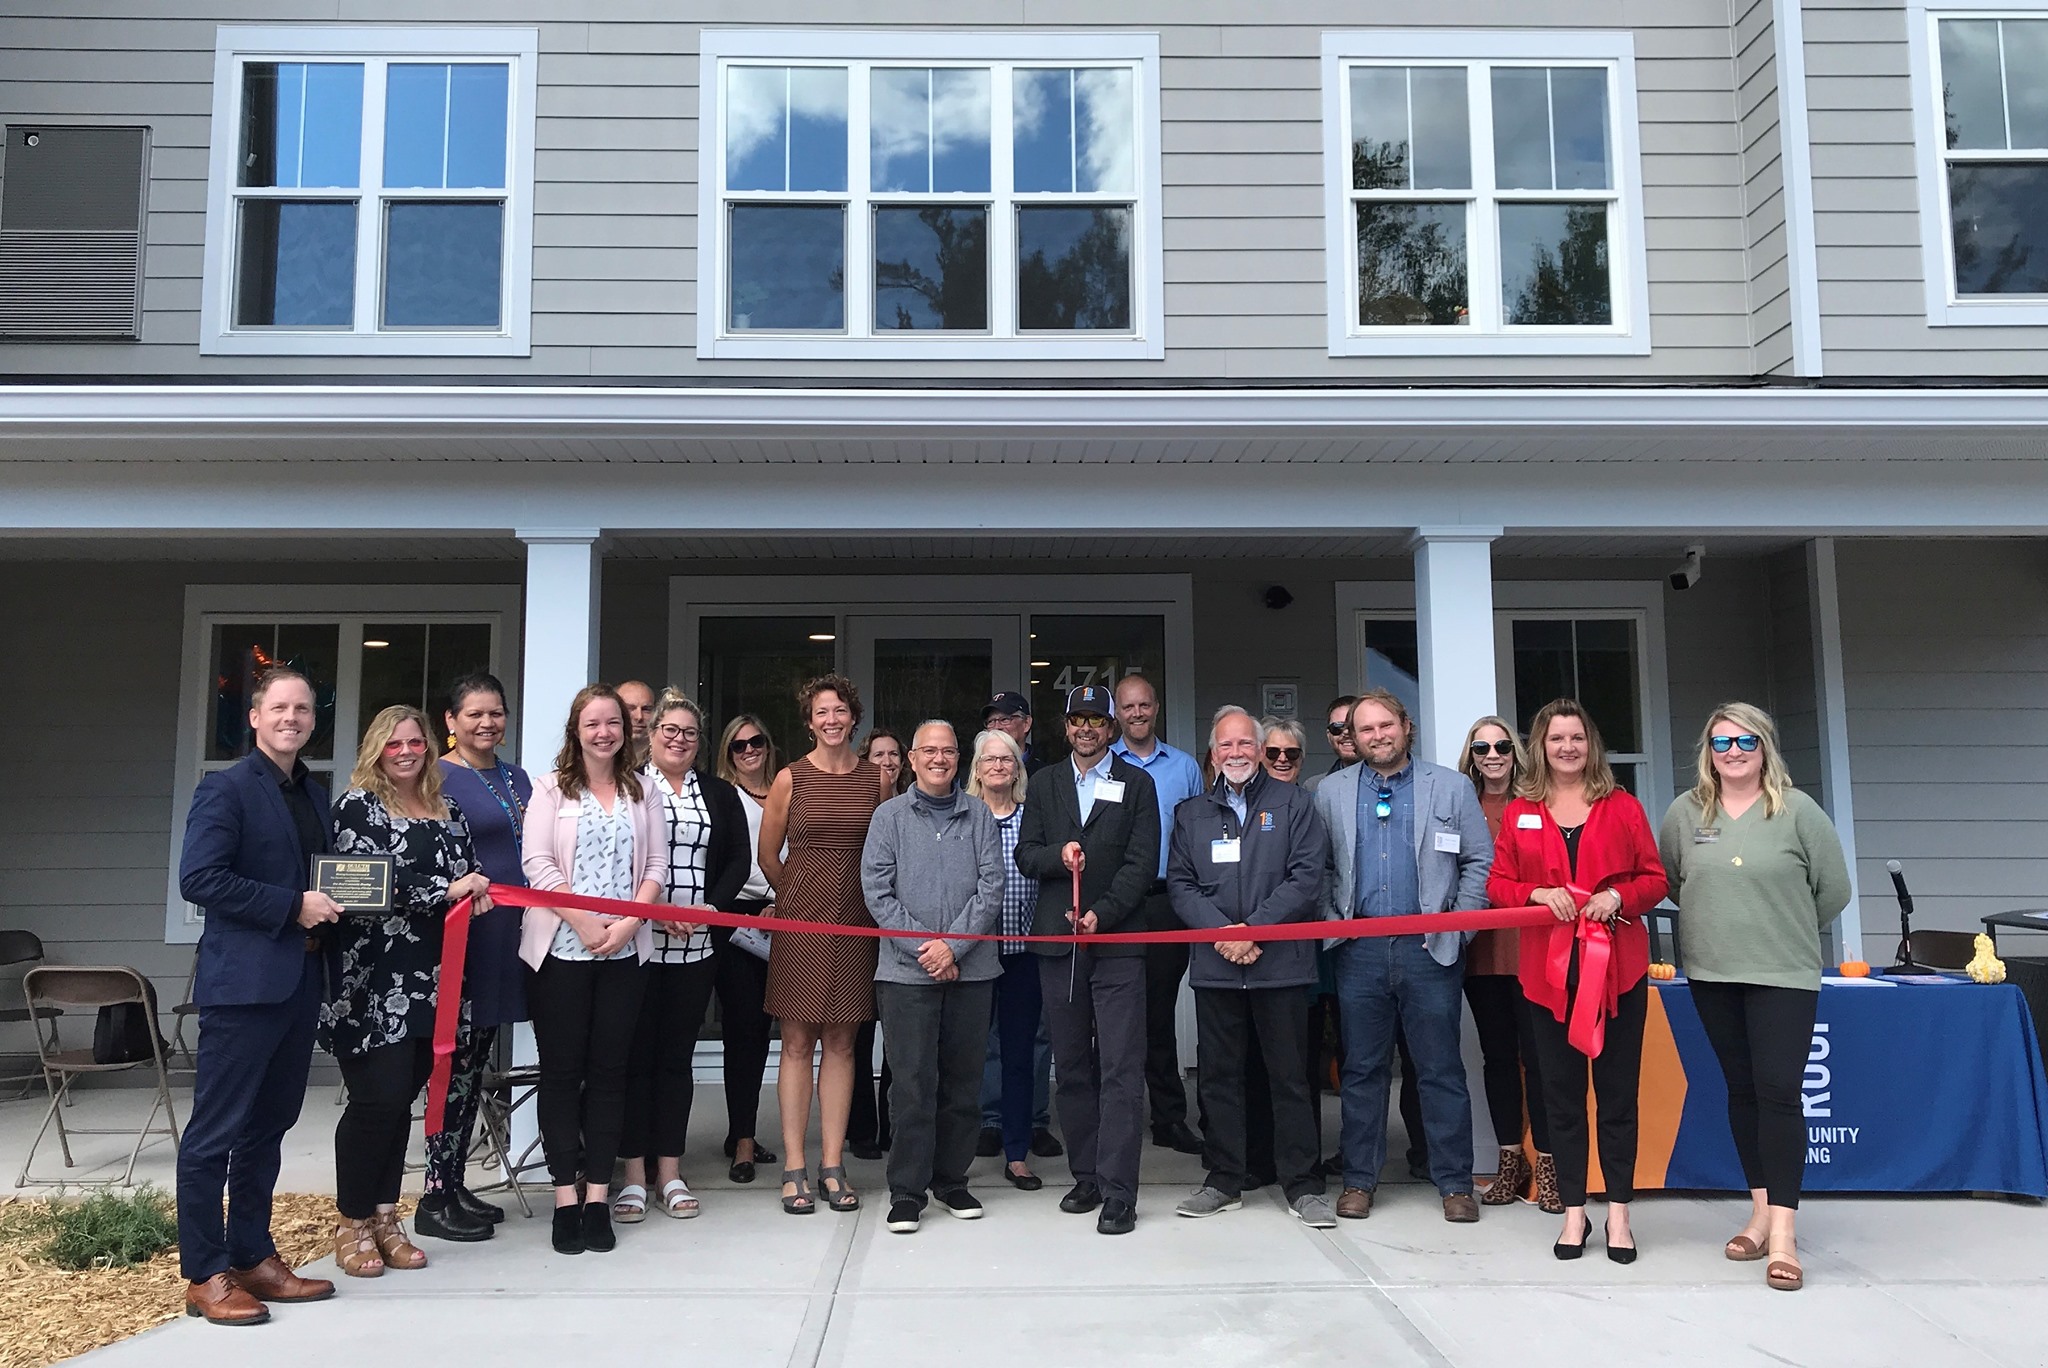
1020, 892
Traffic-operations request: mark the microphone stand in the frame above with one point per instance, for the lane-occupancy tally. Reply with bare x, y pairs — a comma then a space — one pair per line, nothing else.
1906, 963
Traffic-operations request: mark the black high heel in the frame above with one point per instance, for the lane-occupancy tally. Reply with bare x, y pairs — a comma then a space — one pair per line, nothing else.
1567, 1252
1621, 1254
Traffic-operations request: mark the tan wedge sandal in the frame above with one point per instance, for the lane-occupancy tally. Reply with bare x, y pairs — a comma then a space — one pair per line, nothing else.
398, 1252
355, 1249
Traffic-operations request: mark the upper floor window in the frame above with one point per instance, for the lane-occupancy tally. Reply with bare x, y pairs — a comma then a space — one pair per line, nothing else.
371, 192
930, 195
1485, 194
1984, 164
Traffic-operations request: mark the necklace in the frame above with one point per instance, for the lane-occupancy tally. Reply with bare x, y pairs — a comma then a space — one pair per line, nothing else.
514, 809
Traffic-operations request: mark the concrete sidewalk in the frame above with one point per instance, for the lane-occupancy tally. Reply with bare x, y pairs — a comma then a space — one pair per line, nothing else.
1889, 1281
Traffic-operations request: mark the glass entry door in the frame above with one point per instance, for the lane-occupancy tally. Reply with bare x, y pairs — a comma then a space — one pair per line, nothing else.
913, 667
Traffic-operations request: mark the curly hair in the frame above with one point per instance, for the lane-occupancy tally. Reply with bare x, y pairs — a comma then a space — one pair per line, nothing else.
828, 683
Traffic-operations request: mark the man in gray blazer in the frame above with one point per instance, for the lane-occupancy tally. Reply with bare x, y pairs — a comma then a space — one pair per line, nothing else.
1406, 837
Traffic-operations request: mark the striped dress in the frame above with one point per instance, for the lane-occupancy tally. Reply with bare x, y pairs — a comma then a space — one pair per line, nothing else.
825, 980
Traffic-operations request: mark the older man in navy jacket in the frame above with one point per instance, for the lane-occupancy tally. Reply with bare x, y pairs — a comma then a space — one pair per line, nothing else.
249, 843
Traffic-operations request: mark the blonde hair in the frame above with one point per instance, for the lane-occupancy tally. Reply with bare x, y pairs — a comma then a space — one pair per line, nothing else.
730, 772
1469, 767
1536, 782
1777, 780
1016, 753
369, 775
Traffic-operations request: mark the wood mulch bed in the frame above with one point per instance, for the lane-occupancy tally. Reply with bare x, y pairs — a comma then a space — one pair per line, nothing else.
49, 1313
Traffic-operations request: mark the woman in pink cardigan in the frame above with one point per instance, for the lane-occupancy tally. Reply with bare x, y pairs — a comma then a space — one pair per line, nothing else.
590, 829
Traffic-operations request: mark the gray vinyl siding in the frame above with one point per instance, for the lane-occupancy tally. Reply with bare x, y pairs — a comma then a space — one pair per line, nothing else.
616, 255
1717, 648
1945, 653
1763, 186
1867, 227
1794, 698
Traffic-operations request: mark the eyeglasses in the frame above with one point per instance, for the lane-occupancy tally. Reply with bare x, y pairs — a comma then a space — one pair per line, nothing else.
997, 761
740, 745
397, 747
1498, 747
1384, 808
1290, 754
996, 719
1338, 728
669, 731
1087, 720
935, 752
1748, 741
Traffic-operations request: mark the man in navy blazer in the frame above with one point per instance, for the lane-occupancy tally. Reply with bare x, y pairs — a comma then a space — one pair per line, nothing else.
249, 843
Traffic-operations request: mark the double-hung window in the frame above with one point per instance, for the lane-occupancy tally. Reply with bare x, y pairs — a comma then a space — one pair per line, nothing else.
929, 195
1983, 139
371, 192
1484, 194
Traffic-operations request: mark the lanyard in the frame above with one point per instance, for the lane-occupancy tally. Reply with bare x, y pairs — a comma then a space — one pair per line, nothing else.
515, 811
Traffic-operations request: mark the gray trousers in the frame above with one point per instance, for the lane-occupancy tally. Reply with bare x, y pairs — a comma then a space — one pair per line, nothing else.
936, 1034
1095, 1008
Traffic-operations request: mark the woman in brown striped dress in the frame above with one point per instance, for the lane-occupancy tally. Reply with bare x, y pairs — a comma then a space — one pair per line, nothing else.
823, 987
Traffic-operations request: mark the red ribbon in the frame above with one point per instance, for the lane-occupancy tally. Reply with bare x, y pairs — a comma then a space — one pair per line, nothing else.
455, 940
1596, 1000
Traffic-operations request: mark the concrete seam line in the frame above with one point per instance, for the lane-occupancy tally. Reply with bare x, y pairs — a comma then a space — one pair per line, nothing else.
815, 1333
1346, 1257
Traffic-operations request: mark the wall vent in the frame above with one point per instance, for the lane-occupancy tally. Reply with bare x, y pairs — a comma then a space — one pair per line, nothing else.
72, 201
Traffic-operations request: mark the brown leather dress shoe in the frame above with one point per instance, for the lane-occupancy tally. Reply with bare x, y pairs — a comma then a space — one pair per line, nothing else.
1354, 1204
271, 1281
1460, 1208
221, 1302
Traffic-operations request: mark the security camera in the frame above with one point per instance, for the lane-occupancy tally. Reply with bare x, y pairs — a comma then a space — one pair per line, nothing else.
1688, 572
1277, 597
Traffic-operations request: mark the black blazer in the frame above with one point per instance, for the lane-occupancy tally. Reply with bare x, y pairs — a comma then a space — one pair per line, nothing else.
730, 857
1120, 841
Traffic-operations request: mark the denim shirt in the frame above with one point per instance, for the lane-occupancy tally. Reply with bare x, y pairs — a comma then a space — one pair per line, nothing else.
1384, 876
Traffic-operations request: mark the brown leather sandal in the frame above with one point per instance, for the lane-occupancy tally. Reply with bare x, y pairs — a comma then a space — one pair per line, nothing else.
355, 1249
1784, 1276
398, 1252
1742, 1249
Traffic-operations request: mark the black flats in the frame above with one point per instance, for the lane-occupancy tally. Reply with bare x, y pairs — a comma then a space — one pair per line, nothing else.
1023, 1182
568, 1232
742, 1170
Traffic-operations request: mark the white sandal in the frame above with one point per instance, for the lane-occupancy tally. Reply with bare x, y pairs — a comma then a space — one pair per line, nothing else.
629, 1207
677, 1201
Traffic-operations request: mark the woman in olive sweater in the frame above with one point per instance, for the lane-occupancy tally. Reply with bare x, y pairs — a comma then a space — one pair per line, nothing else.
1757, 872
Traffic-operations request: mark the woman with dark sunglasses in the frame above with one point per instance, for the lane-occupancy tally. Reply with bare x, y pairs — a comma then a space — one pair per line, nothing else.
1493, 758
1285, 742
1757, 872
748, 760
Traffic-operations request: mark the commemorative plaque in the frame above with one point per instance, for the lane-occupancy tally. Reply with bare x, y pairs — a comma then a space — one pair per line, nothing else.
360, 883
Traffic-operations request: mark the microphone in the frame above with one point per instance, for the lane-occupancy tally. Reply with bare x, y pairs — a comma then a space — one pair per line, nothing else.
1898, 873
1906, 963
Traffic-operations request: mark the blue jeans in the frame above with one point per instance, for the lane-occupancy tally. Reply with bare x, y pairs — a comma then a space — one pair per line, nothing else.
1382, 980
1041, 1051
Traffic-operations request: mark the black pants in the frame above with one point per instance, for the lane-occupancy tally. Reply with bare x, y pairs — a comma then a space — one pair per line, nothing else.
660, 1074
742, 983
1762, 1037
1617, 1074
1233, 1026
1507, 1055
1165, 966
1095, 1009
369, 1140
938, 1037
584, 1014
867, 1120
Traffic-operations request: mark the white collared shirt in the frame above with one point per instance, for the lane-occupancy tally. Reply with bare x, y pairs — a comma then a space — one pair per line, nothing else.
1085, 781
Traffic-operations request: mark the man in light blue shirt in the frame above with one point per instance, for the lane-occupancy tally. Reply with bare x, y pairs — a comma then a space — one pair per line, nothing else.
1175, 778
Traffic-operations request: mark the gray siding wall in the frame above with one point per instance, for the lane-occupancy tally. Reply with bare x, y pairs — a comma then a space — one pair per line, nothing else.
1717, 645
616, 240
1794, 698
1763, 186
1867, 227
1945, 656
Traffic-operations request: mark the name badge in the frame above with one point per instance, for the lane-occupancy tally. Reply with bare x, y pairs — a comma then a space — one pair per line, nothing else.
1109, 790
1529, 821
1224, 851
1449, 842
1705, 835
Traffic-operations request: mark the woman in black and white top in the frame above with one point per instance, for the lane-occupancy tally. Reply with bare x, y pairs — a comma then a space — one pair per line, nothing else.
748, 760
707, 865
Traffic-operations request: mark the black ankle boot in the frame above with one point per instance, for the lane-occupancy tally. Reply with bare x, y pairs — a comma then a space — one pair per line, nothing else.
597, 1227
440, 1215
568, 1230
477, 1206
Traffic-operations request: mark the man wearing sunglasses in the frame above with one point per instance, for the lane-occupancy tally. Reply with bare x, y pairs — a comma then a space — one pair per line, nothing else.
1407, 838
1343, 753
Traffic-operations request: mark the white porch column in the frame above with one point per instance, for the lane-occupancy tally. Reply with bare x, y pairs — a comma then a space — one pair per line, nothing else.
562, 584
1454, 635
1832, 708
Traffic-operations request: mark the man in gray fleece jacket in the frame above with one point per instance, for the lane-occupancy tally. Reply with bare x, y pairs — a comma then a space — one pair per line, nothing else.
934, 862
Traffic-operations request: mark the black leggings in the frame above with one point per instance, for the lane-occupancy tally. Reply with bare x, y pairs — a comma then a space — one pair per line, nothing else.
584, 1012
1508, 1053
1762, 1037
1617, 1076
742, 982
660, 1069
369, 1140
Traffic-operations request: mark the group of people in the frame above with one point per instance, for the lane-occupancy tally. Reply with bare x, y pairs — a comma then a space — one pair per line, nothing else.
972, 848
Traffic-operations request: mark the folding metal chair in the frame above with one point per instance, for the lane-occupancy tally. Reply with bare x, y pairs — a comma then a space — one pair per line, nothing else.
89, 988
505, 1091
25, 947
187, 1009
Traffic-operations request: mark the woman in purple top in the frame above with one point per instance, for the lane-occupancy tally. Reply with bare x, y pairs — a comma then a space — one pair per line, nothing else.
493, 795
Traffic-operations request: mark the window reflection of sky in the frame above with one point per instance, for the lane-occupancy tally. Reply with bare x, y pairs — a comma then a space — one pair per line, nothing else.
444, 125
1435, 153
302, 124
1999, 218
788, 265
1550, 128
785, 128
297, 264
1074, 130
442, 264
928, 130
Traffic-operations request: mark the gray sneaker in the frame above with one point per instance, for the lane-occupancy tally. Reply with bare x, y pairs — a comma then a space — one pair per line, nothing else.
1207, 1201
1313, 1210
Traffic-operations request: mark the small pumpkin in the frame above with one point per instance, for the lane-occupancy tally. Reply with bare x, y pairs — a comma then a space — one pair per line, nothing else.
1855, 969
1663, 971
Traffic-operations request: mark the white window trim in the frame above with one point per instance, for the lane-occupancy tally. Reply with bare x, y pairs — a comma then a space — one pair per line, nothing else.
1930, 144
235, 45
1147, 342
208, 604
1630, 334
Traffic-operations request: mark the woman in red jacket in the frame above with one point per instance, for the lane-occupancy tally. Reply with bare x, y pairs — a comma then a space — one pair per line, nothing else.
1574, 842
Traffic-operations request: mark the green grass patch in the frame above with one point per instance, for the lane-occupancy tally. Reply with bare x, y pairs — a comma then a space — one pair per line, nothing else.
109, 1229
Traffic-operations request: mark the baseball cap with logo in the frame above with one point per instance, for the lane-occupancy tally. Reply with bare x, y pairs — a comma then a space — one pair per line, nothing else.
1091, 698
1014, 704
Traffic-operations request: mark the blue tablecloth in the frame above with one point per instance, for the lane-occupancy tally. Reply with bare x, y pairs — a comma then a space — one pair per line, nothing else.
1910, 1088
